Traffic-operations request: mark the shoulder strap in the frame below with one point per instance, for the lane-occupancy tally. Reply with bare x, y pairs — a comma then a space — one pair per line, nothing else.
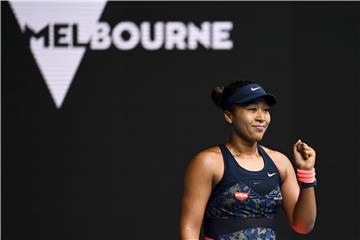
225, 157
227, 177
269, 163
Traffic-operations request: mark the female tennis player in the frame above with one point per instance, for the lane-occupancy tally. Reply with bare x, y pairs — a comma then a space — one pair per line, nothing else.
235, 189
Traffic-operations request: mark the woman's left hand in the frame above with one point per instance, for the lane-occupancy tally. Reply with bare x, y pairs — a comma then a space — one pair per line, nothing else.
304, 155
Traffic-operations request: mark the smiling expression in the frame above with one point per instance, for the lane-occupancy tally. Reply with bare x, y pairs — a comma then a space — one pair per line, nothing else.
250, 121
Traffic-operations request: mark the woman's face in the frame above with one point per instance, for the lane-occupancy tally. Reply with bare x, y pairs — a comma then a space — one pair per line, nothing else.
251, 121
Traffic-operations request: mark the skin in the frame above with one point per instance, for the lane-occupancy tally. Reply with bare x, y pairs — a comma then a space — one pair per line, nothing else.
205, 170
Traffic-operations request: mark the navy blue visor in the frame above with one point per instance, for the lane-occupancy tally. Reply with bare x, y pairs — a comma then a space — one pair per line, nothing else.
248, 93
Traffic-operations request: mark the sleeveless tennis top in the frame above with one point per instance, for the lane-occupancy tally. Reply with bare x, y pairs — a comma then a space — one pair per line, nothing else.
244, 203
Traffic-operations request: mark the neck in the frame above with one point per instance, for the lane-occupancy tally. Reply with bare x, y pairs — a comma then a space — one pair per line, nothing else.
242, 147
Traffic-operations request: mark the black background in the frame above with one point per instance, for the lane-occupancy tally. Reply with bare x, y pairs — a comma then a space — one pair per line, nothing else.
109, 164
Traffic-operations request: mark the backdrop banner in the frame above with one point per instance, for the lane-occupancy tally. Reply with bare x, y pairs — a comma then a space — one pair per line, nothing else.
104, 104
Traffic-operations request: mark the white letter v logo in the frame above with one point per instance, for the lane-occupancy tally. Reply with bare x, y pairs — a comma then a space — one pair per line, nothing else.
58, 65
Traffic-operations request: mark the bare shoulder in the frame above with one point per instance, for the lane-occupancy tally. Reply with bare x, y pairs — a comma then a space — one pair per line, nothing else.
208, 157
208, 162
276, 155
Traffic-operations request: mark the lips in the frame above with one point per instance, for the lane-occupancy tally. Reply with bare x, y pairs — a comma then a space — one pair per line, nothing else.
259, 127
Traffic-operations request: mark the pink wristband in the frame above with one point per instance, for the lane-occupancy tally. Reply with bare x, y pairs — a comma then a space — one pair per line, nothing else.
306, 176
307, 172
306, 180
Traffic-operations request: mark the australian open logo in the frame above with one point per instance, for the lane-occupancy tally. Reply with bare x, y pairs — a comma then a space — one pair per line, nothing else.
59, 33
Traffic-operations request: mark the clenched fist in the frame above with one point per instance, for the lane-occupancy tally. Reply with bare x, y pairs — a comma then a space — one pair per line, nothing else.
304, 155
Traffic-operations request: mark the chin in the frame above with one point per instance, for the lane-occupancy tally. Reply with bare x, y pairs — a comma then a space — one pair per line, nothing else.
258, 138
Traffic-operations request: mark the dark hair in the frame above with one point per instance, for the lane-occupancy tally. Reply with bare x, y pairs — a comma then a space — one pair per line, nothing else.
220, 93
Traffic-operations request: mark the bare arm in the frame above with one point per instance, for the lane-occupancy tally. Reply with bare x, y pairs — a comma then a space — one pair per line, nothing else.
197, 189
299, 204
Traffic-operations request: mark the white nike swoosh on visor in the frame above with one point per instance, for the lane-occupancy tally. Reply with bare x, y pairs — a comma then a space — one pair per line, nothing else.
253, 89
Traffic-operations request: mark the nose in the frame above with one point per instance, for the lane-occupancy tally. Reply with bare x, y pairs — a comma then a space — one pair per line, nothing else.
260, 116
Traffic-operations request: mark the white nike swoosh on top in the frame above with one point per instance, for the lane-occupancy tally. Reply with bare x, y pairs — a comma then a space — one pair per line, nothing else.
271, 174
253, 89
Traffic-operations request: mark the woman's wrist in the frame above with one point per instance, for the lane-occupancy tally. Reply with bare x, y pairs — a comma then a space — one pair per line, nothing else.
306, 168
306, 177
308, 185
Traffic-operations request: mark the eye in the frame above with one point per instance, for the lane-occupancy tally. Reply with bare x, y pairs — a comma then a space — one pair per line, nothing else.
267, 109
252, 109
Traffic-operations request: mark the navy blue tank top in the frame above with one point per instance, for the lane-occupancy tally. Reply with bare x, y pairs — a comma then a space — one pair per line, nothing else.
244, 203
